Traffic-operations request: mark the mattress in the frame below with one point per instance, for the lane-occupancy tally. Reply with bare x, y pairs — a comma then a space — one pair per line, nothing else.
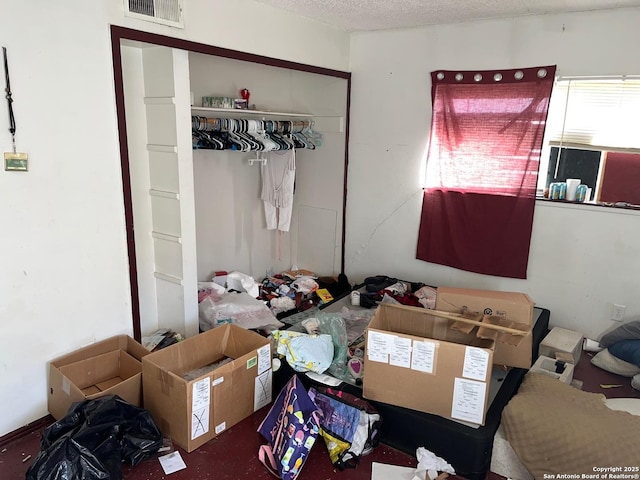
467, 447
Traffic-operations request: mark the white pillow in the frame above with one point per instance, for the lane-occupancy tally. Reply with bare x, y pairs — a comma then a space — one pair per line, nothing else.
604, 360
631, 405
635, 382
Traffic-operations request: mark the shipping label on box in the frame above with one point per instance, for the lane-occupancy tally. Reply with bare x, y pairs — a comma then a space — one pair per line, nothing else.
111, 366
200, 387
415, 360
513, 308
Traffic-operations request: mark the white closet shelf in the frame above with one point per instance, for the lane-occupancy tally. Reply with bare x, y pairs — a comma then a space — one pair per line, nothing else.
322, 123
243, 112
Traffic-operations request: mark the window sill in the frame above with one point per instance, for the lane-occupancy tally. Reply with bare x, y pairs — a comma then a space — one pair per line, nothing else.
620, 207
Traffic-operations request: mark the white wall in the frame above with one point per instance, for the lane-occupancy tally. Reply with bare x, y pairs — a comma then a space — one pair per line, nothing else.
583, 259
63, 257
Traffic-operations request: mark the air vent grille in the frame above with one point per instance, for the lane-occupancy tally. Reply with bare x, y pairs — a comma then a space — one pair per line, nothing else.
166, 12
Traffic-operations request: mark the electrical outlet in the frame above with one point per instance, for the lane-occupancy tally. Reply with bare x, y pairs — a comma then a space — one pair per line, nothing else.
617, 314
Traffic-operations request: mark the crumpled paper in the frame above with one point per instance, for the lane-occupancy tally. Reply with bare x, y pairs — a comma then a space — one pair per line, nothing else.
429, 465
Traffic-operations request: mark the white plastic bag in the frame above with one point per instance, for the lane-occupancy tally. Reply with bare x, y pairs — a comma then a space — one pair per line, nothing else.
238, 308
243, 283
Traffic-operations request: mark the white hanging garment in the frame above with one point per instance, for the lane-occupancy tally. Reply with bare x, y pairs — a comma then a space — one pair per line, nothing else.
278, 179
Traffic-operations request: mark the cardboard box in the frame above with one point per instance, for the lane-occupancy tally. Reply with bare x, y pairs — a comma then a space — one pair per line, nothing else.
516, 308
198, 388
554, 368
111, 366
562, 341
417, 361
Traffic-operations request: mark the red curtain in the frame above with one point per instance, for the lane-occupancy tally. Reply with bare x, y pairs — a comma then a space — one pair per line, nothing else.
482, 168
621, 178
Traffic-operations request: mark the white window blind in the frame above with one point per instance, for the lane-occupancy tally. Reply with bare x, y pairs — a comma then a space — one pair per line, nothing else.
601, 114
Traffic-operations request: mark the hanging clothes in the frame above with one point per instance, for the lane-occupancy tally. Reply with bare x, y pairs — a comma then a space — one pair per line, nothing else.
278, 179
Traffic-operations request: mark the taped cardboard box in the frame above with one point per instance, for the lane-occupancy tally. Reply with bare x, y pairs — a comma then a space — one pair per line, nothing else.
198, 388
111, 366
514, 310
415, 360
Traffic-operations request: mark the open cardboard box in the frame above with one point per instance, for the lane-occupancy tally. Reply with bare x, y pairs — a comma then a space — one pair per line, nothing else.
96, 375
415, 360
111, 366
513, 308
198, 388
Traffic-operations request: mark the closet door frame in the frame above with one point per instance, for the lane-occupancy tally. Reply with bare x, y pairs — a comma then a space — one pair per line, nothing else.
119, 34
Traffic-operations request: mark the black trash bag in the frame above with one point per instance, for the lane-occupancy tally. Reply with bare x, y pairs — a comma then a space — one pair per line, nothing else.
93, 439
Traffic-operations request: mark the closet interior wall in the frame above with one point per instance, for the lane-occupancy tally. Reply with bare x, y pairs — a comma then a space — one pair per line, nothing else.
230, 222
198, 211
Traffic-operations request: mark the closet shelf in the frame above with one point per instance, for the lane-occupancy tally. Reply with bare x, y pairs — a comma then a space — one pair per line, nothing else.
203, 111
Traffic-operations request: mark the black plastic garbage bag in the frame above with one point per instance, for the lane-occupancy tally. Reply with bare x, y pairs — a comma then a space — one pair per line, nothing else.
93, 439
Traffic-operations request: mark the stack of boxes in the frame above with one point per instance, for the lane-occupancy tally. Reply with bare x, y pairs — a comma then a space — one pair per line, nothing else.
560, 351
427, 363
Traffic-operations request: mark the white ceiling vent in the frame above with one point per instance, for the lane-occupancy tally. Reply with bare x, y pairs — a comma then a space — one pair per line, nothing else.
166, 12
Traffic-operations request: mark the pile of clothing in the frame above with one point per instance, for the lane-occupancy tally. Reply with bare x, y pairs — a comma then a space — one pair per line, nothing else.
294, 291
381, 288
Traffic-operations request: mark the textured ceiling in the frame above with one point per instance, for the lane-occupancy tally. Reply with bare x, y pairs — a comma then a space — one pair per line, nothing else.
353, 15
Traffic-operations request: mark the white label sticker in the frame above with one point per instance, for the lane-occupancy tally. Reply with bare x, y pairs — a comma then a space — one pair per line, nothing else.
379, 346
401, 352
476, 363
424, 356
221, 428
262, 390
468, 400
201, 400
264, 359
217, 381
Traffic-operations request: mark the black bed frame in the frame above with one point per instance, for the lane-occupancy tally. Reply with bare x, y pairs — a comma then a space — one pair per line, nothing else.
468, 449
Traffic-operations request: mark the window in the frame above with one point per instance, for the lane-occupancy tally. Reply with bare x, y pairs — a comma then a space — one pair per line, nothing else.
592, 134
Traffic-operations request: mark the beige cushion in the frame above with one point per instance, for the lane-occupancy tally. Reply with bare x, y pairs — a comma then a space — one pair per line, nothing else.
604, 360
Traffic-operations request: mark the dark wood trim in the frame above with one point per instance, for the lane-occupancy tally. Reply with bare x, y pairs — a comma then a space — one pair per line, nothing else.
126, 182
162, 40
27, 429
118, 34
346, 170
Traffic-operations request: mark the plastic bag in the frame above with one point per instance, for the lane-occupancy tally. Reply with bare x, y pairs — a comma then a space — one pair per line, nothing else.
238, 308
93, 439
291, 427
334, 325
350, 425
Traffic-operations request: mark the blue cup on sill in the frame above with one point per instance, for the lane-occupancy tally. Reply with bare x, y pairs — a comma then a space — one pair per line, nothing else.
557, 191
581, 193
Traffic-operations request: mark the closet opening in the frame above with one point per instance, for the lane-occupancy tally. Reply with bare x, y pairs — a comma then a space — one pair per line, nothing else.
189, 211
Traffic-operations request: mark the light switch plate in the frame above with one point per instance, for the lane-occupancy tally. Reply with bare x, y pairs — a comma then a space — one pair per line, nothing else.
16, 162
